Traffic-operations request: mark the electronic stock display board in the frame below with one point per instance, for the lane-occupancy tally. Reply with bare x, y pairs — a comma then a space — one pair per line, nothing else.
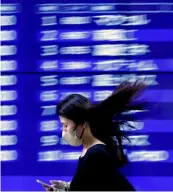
51, 49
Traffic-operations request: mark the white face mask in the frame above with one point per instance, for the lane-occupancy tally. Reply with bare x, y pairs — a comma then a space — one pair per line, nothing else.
71, 137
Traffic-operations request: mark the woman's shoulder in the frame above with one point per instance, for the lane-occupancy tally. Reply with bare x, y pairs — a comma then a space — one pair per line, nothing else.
98, 148
97, 151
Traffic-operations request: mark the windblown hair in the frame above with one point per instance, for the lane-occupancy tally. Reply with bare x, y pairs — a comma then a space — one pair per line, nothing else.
100, 116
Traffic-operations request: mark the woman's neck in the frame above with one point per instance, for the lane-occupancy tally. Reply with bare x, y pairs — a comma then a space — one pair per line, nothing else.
89, 140
87, 143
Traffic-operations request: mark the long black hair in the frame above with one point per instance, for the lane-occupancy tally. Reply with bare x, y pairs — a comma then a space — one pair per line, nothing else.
100, 116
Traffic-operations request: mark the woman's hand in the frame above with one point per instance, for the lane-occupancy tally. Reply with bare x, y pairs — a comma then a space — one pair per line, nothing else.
48, 188
57, 184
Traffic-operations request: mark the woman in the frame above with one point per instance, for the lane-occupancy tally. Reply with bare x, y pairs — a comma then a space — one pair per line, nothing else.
92, 126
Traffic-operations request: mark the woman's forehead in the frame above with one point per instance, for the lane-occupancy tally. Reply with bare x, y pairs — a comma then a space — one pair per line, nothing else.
64, 120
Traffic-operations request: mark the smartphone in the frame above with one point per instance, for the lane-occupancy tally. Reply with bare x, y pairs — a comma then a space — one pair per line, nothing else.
44, 184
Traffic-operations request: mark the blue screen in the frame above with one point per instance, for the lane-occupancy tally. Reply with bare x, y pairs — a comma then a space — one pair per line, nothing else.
49, 50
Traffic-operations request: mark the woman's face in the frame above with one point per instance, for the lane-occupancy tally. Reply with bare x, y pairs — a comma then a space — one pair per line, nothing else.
69, 129
67, 124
